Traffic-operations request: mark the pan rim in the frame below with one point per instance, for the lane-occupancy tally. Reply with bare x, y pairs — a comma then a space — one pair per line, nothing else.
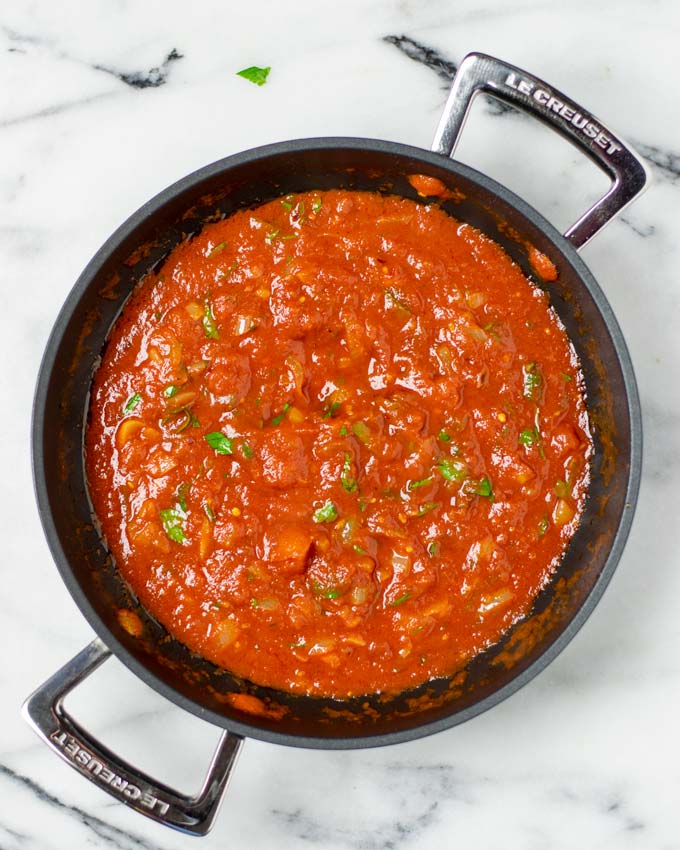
39, 427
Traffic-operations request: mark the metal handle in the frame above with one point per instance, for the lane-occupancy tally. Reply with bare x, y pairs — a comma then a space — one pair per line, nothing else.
45, 712
481, 73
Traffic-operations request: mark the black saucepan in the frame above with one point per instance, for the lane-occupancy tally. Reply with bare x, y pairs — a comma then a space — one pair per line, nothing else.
60, 410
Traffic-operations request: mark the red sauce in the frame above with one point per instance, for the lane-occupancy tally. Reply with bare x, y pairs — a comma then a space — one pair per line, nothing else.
338, 443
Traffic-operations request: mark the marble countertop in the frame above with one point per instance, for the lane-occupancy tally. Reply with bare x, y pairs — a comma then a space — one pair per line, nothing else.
102, 105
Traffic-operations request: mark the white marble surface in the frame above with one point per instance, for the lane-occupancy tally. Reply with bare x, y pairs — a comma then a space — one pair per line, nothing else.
587, 755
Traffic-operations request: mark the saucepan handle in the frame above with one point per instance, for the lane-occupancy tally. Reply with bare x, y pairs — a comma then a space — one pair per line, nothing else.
481, 73
45, 712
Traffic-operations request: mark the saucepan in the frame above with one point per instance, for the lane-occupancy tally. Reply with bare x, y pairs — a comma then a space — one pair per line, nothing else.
60, 412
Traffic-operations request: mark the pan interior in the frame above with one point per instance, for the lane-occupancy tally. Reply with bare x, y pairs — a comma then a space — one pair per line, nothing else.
62, 397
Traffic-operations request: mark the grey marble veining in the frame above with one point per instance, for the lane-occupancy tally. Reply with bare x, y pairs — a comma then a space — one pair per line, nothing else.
102, 105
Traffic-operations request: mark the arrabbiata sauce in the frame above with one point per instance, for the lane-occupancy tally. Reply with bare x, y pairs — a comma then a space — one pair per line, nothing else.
338, 443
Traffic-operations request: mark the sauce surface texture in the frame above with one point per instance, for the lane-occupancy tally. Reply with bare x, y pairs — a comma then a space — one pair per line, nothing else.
338, 443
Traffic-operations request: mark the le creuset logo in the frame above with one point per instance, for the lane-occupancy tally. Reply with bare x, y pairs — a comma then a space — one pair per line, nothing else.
105, 775
554, 104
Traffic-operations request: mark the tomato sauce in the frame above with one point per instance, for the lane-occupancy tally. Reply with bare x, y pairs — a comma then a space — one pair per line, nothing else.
338, 443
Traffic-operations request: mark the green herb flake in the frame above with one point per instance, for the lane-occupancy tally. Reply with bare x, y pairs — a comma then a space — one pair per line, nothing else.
565, 377
316, 205
528, 437
254, 74
286, 204
427, 507
359, 550
348, 482
132, 402
271, 235
247, 451
209, 512
170, 391
423, 482
277, 420
444, 437
343, 431
217, 249
543, 526
403, 598
332, 593
330, 412
433, 549
172, 519
484, 488
398, 303
533, 381
452, 470
220, 443
182, 493
209, 326
254, 603
326, 513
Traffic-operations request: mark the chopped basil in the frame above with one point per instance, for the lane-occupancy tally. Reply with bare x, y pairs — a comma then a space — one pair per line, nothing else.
332, 593
132, 402
286, 204
254, 74
271, 235
433, 548
326, 513
209, 325
543, 526
220, 443
170, 391
209, 511
330, 412
247, 451
533, 381
172, 519
358, 549
565, 377
254, 603
346, 479
452, 470
444, 437
343, 431
316, 205
278, 419
403, 598
484, 488
414, 485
